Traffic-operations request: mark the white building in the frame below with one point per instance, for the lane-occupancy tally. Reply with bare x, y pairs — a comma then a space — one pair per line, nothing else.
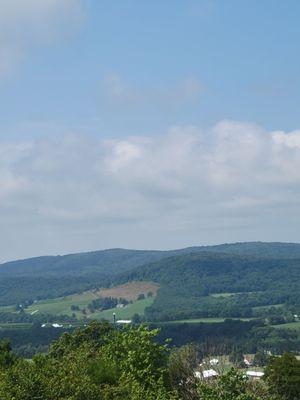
206, 374
124, 321
254, 374
55, 325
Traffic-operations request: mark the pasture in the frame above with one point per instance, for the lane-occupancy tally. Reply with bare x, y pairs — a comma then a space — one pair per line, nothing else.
137, 307
204, 320
130, 292
289, 325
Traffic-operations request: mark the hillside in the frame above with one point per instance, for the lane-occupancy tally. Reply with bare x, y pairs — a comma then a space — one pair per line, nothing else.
56, 276
208, 284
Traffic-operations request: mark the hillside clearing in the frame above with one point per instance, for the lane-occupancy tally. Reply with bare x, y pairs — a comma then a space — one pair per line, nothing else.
137, 307
289, 325
204, 320
130, 291
62, 305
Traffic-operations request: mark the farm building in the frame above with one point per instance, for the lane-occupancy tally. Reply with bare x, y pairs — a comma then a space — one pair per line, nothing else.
206, 374
254, 374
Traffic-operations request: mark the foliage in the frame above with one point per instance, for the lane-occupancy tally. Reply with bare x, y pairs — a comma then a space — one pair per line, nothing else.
231, 386
103, 303
283, 376
101, 362
189, 282
182, 363
97, 362
6, 357
237, 357
22, 282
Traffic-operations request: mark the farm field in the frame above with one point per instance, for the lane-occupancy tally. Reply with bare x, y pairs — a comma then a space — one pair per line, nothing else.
137, 307
204, 320
62, 305
290, 325
230, 294
268, 307
130, 291
11, 308
16, 325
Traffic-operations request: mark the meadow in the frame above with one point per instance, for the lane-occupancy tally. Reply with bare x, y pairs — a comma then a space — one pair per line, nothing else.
130, 292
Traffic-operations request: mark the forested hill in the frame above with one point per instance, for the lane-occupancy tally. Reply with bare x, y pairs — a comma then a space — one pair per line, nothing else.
107, 262
54, 276
261, 249
114, 261
206, 284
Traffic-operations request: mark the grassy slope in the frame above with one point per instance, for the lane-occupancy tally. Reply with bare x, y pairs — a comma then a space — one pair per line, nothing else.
16, 325
62, 305
290, 325
204, 320
138, 307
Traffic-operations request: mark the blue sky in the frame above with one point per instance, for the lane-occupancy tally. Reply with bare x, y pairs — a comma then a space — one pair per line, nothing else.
146, 124
243, 54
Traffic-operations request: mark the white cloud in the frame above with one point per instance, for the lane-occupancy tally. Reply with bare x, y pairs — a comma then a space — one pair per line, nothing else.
26, 24
235, 181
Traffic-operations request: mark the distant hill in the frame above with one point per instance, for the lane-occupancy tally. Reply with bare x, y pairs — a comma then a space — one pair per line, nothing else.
261, 249
53, 276
206, 284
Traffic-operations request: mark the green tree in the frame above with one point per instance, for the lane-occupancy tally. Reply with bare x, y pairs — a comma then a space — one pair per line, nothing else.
7, 358
283, 376
237, 358
182, 363
136, 319
231, 386
261, 359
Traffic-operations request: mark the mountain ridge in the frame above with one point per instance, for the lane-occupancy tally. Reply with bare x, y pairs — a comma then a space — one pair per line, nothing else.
57, 276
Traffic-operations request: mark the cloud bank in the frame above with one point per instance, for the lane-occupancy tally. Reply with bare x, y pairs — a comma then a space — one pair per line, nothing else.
27, 24
234, 181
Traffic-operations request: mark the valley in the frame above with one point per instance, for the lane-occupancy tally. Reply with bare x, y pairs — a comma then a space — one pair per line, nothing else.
253, 285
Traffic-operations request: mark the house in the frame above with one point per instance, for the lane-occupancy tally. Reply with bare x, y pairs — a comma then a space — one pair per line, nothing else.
206, 374
247, 361
214, 361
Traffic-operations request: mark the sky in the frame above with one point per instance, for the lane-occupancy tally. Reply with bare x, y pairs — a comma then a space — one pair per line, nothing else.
147, 124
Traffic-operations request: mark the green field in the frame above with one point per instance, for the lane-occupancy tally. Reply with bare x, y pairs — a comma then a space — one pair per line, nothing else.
268, 307
11, 308
137, 307
290, 325
62, 305
16, 325
204, 320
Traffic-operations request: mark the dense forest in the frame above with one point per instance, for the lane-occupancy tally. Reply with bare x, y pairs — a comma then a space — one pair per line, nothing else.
208, 284
54, 276
102, 362
212, 338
